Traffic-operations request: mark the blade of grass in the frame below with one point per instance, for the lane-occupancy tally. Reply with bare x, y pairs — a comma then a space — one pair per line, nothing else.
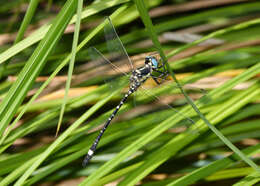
27, 19
230, 173
33, 67
71, 64
149, 26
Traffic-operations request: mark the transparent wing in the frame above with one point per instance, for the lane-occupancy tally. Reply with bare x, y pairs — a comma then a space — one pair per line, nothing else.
115, 46
97, 56
186, 120
106, 69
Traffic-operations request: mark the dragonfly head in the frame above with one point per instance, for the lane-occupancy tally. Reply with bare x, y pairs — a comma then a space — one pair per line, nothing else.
151, 61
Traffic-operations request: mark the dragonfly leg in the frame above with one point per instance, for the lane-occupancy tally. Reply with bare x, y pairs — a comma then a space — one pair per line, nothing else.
162, 75
155, 79
161, 72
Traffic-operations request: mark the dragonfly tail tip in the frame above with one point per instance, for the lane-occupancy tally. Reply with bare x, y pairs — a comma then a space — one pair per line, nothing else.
86, 160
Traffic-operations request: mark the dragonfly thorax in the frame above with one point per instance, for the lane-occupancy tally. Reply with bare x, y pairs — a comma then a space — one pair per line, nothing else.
141, 74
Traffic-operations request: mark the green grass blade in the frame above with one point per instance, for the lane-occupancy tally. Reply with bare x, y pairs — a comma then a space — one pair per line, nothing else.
27, 19
71, 64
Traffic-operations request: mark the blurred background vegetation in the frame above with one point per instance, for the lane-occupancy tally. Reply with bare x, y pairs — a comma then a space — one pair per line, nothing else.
157, 138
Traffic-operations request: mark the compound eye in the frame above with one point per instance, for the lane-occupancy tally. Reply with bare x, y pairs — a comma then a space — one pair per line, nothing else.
154, 62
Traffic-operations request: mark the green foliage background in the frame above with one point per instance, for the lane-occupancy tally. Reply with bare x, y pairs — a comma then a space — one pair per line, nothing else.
143, 146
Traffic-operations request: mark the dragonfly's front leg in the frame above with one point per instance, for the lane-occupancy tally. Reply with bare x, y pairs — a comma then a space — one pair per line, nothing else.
155, 79
162, 75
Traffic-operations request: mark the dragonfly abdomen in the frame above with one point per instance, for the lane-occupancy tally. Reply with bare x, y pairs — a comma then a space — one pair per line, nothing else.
94, 145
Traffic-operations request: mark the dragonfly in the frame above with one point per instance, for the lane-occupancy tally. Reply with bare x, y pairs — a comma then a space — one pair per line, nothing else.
137, 77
